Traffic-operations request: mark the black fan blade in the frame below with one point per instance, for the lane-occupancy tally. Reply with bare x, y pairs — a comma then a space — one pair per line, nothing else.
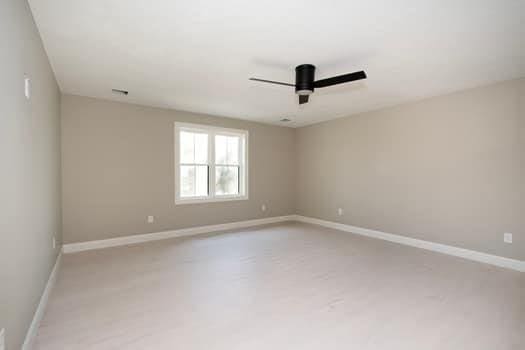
303, 99
272, 82
340, 79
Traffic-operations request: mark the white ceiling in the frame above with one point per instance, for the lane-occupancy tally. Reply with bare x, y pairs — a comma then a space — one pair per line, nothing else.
197, 55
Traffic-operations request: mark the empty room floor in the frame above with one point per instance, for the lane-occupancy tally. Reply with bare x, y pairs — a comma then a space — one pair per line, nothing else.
285, 286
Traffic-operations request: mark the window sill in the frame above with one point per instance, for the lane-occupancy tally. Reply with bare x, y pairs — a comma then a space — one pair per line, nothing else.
209, 200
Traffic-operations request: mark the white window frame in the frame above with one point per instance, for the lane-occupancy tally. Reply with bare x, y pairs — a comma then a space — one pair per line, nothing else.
211, 131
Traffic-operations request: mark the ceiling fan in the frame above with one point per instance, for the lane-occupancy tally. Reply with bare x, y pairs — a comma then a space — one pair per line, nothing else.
305, 83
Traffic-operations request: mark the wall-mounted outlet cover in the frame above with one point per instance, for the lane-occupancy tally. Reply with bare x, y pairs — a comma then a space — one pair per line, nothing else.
263, 207
507, 237
340, 211
27, 87
54, 242
151, 219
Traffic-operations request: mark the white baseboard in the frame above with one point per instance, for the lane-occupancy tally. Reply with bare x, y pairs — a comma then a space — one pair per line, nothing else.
39, 313
140, 238
436, 247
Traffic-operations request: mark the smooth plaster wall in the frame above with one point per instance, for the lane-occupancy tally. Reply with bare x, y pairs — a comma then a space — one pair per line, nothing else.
449, 169
118, 168
30, 170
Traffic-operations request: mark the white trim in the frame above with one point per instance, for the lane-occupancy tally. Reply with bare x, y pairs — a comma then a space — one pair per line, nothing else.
39, 313
206, 127
211, 132
202, 200
119, 241
436, 247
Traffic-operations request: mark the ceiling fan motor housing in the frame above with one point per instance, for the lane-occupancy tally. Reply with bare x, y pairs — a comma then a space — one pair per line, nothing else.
304, 79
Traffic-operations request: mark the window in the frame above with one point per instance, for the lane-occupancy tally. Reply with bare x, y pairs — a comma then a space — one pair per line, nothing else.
210, 164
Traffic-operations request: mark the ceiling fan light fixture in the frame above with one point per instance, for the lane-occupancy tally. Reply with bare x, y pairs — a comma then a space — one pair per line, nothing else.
304, 92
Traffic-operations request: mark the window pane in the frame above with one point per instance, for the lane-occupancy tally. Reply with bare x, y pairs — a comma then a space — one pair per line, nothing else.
193, 180
193, 147
221, 144
201, 180
226, 180
201, 148
187, 181
187, 146
233, 150
226, 149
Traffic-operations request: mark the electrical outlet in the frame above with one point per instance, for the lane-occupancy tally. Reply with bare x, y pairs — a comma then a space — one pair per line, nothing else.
507, 237
27, 87
340, 211
2, 339
54, 242
263, 207
150, 219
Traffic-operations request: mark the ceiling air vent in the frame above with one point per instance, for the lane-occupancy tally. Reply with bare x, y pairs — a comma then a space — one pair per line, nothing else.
120, 92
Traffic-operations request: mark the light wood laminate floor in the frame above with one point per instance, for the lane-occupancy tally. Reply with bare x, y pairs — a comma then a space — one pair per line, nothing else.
286, 286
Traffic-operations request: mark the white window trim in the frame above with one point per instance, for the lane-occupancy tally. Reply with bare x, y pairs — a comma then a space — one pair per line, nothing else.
243, 163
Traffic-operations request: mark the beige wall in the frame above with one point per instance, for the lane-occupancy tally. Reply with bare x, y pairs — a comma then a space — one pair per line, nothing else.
118, 168
30, 170
448, 169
